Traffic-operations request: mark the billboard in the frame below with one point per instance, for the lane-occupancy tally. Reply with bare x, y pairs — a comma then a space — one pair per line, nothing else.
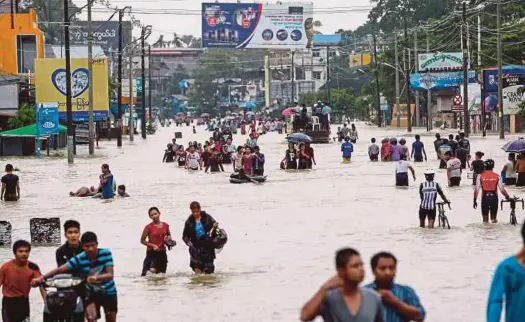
513, 86
439, 81
105, 34
50, 83
242, 93
360, 60
440, 61
257, 25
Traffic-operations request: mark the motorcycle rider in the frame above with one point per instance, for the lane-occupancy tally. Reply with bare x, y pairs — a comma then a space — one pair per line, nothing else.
64, 253
489, 182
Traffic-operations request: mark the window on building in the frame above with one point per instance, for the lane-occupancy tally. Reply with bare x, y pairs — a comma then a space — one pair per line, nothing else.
26, 53
316, 53
316, 75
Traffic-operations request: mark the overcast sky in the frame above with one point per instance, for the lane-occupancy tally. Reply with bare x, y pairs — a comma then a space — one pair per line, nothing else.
334, 14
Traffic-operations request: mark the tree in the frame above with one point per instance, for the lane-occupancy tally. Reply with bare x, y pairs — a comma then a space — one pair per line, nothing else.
24, 117
160, 43
49, 13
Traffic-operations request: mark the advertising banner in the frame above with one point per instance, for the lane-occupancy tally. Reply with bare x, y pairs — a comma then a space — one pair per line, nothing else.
257, 25
48, 119
440, 61
243, 93
513, 86
105, 33
359, 60
438, 81
50, 83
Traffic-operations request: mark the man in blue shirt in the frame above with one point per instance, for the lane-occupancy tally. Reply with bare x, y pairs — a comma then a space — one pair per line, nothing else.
347, 148
97, 265
418, 150
508, 287
401, 302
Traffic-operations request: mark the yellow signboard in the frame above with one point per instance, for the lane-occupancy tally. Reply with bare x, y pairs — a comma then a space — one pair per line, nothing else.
360, 60
50, 85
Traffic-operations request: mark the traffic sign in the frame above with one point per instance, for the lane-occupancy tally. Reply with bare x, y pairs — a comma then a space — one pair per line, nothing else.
458, 100
457, 108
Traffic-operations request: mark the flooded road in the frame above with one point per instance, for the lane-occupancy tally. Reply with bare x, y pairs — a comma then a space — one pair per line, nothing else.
282, 235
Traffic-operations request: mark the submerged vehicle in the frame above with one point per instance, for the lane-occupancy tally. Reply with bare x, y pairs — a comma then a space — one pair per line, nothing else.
312, 127
234, 178
64, 304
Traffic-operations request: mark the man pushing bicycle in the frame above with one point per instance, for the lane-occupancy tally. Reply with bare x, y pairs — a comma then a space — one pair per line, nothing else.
428, 192
489, 182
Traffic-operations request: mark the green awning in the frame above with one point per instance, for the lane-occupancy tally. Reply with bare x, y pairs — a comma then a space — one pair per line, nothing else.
29, 130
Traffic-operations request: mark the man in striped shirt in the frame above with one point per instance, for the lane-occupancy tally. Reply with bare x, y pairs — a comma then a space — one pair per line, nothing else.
96, 264
401, 301
428, 192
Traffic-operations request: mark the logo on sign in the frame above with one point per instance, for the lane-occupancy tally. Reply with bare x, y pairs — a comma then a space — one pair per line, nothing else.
79, 81
492, 79
212, 21
48, 125
246, 23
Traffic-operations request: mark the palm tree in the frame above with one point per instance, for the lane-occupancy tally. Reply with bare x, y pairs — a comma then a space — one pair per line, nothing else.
160, 43
177, 42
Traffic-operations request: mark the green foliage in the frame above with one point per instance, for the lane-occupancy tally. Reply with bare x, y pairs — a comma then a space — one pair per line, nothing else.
49, 13
25, 116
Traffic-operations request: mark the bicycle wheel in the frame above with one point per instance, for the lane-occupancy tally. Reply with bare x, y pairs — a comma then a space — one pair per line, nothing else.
513, 220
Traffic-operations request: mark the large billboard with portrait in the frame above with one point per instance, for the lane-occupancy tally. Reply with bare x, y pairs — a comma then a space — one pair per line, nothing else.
257, 25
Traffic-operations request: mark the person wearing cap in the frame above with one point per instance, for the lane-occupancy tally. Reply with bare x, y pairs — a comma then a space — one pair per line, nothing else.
477, 166
489, 183
428, 192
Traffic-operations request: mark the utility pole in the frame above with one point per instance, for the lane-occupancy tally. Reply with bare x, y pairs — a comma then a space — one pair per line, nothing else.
376, 72
12, 14
398, 109
418, 112
90, 75
407, 79
143, 66
131, 123
119, 78
292, 69
429, 96
149, 87
500, 75
466, 114
267, 78
328, 72
69, 108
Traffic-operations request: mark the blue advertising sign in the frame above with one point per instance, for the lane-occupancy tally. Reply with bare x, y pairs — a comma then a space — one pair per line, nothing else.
257, 25
83, 116
384, 107
439, 81
48, 120
490, 76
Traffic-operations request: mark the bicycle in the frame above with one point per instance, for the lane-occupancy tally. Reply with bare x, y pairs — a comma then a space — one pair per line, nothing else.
512, 201
442, 218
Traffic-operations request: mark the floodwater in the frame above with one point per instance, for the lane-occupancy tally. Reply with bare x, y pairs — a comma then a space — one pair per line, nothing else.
283, 234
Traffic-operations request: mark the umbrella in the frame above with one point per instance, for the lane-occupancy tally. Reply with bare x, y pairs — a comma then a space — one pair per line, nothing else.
205, 115
289, 111
327, 110
250, 105
249, 113
299, 137
516, 146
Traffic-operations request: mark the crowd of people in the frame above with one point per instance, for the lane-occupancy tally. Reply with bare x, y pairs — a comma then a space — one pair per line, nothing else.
82, 257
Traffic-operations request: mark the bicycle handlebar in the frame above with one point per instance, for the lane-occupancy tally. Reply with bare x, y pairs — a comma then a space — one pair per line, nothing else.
444, 203
513, 202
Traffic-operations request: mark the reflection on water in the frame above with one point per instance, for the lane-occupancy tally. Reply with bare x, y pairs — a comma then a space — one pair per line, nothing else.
282, 234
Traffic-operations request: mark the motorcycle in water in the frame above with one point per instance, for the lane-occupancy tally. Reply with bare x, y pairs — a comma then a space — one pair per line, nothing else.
64, 304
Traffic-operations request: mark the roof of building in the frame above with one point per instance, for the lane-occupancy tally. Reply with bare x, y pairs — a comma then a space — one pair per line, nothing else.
76, 51
29, 130
324, 40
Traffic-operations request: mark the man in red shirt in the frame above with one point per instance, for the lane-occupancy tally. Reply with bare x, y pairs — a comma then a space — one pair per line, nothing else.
154, 237
15, 280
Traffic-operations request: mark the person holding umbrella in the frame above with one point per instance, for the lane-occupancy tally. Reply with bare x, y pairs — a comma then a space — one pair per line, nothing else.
518, 146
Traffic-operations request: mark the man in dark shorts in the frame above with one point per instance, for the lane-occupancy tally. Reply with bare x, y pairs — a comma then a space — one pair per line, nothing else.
418, 150
488, 184
97, 265
10, 185
428, 192
15, 280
